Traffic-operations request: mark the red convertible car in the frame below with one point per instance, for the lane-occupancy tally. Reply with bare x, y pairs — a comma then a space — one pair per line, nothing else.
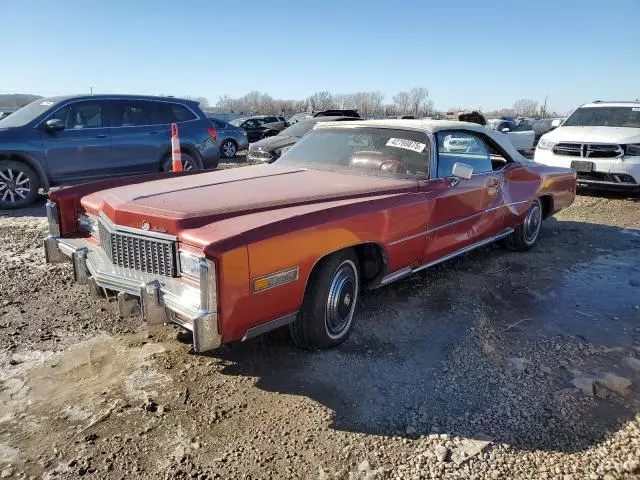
232, 254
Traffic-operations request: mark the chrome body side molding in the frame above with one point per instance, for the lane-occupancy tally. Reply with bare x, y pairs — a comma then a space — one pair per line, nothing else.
398, 274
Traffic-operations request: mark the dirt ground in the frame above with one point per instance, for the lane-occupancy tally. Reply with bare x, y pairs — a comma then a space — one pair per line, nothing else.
496, 365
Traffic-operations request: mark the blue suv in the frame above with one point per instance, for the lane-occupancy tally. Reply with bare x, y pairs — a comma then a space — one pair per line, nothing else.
68, 140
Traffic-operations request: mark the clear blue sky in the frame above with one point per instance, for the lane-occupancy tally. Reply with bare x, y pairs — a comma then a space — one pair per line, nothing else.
468, 53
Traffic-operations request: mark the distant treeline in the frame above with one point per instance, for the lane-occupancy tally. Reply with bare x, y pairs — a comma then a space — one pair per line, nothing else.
16, 100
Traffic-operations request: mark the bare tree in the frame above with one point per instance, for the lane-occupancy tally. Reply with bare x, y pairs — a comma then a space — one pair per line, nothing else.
321, 100
525, 107
403, 102
417, 96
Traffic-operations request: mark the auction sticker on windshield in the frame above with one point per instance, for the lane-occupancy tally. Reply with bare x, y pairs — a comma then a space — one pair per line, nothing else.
406, 144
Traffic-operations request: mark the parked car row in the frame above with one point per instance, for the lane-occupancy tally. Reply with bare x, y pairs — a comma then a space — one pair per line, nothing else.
352, 205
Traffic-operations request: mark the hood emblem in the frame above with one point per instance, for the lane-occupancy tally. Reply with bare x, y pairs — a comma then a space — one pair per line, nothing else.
146, 225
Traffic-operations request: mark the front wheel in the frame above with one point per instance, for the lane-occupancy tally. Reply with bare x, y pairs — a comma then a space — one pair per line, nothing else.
326, 317
526, 234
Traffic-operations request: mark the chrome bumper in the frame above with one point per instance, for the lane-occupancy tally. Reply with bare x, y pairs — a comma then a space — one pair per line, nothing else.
159, 299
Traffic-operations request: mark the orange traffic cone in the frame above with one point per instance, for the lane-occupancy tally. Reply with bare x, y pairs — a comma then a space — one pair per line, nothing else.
176, 157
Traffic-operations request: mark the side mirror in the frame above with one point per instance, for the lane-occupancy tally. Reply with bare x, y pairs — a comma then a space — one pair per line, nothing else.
462, 170
53, 125
505, 130
556, 122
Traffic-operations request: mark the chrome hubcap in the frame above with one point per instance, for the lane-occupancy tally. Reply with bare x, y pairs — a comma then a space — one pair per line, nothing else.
187, 165
229, 149
341, 302
14, 185
532, 223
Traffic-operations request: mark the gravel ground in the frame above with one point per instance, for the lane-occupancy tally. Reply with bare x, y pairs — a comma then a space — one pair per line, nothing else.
496, 365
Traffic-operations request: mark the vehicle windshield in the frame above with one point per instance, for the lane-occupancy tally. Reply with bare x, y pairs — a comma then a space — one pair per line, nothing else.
298, 129
604, 117
492, 123
237, 122
26, 114
363, 150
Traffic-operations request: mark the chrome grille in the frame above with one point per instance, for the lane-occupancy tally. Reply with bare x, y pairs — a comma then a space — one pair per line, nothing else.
588, 150
146, 254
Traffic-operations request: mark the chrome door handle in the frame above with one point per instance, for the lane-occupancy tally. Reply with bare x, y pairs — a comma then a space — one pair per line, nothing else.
100, 136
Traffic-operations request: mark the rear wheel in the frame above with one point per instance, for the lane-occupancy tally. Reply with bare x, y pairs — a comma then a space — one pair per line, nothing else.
19, 184
326, 317
228, 149
188, 163
526, 234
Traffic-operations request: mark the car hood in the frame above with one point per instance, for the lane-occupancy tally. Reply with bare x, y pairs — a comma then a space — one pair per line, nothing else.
174, 205
273, 143
620, 135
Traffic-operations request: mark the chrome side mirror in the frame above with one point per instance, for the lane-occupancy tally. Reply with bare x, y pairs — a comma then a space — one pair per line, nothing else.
505, 130
462, 170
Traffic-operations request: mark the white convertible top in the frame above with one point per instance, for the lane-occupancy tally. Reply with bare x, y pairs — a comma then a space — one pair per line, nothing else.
430, 127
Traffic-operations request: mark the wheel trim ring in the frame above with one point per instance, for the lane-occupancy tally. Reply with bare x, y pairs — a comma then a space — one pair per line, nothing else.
12, 186
532, 223
344, 276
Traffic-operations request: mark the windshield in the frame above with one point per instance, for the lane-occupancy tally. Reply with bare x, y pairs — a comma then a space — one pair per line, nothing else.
366, 151
493, 123
237, 122
297, 129
605, 117
26, 114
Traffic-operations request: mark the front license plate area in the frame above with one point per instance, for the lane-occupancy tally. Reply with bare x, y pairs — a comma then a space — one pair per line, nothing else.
580, 166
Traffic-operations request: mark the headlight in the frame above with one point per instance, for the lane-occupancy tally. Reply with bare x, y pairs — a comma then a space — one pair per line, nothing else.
544, 144
190, 264
283, 150
632, 150
88, 223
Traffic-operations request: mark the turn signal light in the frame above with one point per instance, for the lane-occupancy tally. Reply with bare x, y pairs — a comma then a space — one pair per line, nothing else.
275, 279
212, 132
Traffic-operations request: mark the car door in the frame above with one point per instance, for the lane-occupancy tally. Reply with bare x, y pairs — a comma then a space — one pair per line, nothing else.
82, 150
139, 137
465, 212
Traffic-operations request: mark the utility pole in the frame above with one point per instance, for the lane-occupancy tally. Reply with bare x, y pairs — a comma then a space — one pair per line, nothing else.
544, 108
91, 90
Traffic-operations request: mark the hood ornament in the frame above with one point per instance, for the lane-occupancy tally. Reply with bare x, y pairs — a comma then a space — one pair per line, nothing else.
146, 225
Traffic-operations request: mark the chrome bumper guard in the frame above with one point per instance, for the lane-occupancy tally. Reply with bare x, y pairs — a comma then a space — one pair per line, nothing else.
159, 299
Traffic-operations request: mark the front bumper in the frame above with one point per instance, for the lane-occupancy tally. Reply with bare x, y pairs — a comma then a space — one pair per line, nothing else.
614, 174
158, 298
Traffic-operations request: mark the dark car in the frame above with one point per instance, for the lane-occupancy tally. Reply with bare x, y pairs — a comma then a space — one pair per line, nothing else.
269, 149
334, 112
5, 112
67, 140
254, 126
544, 125
231, 139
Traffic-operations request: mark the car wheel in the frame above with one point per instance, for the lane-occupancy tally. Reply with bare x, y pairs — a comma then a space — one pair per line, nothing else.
188, 163
19, 184
326, 317
228, 149
526, 234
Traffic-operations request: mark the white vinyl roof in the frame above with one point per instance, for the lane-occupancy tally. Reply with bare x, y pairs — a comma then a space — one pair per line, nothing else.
611, 104
428, 126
